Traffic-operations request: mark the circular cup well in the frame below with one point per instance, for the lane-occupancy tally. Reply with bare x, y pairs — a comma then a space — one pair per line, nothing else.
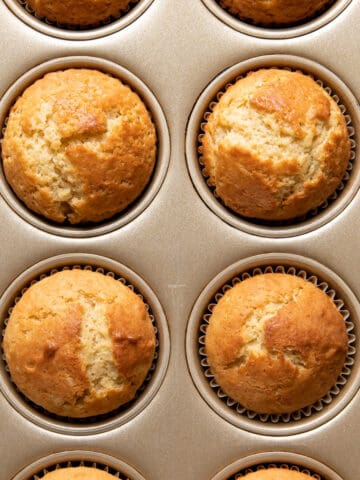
302, 28
327, 211
107, 27
292, 461
74, 458
163, 146
295, 422
157, 371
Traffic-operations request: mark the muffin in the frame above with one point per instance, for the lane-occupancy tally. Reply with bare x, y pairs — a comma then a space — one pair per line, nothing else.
79, 146
276, 13
275, 343
275, 145
75, 13
276, 474
79, 343
78, 473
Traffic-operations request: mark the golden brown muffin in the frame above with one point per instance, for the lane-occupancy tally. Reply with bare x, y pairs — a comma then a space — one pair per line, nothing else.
276, 343
275, 146
78, 473
276, 474
78, 12
79, 343
275, 12
79, 146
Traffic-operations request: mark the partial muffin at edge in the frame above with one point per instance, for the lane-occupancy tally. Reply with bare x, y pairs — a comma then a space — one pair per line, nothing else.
79, 146
79, 343
275, 145
276, 474
276, 343
78, 13
275, 12
78, 473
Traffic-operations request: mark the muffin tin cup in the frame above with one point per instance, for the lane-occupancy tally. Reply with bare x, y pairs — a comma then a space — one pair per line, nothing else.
107, 27
308, 417
146, 392
287, 460
302, 28
163, 147
314, 219
107, 463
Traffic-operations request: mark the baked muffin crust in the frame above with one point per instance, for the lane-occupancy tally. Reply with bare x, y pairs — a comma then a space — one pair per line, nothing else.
275, 12
79, 343
276, 474
78, 12
276, 343
78, 473
275, 145
79, 146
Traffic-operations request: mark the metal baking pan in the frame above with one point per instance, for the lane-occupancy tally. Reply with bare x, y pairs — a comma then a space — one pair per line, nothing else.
179, 247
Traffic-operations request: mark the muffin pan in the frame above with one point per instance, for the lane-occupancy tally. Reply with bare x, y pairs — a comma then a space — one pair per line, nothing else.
183, 248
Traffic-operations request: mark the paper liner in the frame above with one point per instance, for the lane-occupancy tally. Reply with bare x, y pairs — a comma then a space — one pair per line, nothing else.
141, 389
285, 466
276, 26
312, 213
306, 411
82, 463
64, 26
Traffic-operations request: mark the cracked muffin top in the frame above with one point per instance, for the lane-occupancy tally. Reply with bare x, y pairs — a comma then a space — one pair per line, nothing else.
275, 13
78, 13
275, 145
276, 474
78, 473
79, 343
276, 343
79, 146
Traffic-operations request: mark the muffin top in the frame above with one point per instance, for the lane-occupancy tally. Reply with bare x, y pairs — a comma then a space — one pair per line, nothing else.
79, 146
78, 13
275, 13
79, 343
276, 474
276, 343
78, 473
275, 145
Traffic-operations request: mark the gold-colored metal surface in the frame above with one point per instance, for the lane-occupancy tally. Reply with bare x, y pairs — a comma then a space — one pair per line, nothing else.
177, 244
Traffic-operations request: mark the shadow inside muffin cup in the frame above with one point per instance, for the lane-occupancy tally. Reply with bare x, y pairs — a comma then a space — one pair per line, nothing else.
65, 31
274, 25
154, 377
321, 17
203, 108
90, 26
274, 424
162, 147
